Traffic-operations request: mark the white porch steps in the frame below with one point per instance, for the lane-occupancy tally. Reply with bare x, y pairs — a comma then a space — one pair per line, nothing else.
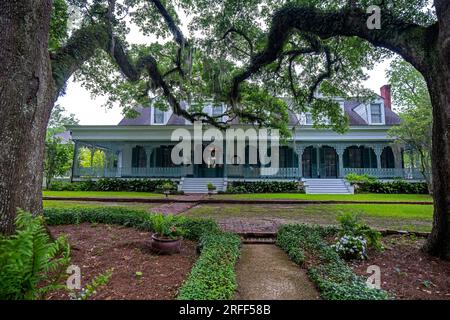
199, 185
327, 186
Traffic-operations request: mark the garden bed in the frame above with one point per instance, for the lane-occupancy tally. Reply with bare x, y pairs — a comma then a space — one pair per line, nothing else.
138, 272
406, 271
212, 276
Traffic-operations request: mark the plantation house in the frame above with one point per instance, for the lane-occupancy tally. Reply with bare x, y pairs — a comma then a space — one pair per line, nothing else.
141, 148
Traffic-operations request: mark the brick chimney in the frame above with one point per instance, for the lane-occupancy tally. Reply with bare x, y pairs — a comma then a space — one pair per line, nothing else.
386, 95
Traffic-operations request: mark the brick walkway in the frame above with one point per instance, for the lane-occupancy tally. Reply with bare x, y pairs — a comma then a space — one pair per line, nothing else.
179, 207
250, 225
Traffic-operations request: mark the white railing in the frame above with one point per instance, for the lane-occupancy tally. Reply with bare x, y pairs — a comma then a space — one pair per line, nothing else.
386, 173
239, 171
125, 172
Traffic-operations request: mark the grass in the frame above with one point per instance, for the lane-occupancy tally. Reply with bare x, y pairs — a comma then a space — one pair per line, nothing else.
337, 197
400, 217
92, 204
101, 194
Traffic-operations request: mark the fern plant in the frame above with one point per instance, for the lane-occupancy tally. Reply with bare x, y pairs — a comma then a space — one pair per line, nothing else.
31, 264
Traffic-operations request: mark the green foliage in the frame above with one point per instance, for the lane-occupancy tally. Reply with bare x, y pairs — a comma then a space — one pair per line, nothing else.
57, 159
166, 226
351, 247
58, 24
394, 187
335, 280
211, 187
263, 187
30, 263
350, 224
212, 276
113, 184
357, 179
410, 93
91, 288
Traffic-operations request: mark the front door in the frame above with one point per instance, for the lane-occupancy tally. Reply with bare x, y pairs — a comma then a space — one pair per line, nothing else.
328, 163
210, 169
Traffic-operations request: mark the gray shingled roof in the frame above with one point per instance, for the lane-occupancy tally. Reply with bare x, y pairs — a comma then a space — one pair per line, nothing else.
142, 120
355, 120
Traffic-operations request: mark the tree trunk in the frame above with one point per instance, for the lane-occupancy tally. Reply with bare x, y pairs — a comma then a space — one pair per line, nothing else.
439, 86
27, 95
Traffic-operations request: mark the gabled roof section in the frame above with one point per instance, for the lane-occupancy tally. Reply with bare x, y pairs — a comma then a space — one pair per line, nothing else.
142, 120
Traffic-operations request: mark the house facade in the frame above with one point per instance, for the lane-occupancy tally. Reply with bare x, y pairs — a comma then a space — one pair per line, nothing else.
141, 148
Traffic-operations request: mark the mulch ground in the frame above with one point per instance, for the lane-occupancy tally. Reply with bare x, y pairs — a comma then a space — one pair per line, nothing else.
406, 271
95, 248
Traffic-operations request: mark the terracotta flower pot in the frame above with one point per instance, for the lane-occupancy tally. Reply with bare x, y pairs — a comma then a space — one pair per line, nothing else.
165, 245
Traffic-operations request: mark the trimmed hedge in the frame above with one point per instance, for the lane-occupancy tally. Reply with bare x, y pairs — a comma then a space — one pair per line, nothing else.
335, 280
212, 276
395, 187
113, 184
263, 187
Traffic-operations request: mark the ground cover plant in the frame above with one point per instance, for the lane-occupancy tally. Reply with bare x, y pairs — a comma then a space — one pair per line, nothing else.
306, 245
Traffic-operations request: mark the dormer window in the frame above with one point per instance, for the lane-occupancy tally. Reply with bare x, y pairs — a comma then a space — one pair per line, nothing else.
158, 116
375, 113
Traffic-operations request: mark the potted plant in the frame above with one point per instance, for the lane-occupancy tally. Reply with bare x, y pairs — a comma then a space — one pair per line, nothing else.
167, 236
167, 187
211, 188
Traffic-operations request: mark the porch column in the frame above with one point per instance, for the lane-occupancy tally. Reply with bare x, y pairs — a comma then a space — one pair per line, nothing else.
75, 161
299, 149
340, 153
378, 151
148, 153
119, 163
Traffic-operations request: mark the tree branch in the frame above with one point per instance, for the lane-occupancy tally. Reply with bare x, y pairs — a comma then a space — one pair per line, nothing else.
407, 39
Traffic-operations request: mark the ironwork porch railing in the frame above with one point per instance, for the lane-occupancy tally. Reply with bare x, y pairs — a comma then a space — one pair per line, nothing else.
386, 173
253, 172
129, 172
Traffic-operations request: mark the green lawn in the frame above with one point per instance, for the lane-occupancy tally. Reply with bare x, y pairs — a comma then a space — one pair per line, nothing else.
93, 204
400, 217
101, 194
338, 197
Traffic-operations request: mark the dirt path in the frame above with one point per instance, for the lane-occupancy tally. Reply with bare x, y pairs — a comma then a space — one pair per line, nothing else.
265, 272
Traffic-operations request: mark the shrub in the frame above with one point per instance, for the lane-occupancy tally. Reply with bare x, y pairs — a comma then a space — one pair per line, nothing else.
395, 187
335, 280
351, 247
212, 276
357, 179
263, 187
115, 184
350, 225
30, 263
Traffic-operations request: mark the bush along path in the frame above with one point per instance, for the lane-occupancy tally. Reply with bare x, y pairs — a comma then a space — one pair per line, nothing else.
264, 272
335, 280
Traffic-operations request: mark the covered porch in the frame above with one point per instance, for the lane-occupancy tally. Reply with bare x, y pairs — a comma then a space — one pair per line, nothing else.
115, 159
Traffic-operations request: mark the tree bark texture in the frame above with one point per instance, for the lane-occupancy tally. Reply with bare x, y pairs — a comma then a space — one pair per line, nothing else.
26, 100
